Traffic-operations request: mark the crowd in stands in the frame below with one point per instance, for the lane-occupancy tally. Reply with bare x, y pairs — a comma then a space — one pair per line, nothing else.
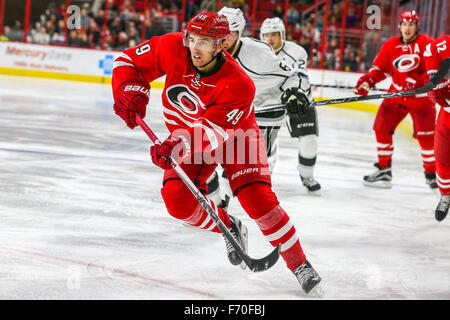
127, 26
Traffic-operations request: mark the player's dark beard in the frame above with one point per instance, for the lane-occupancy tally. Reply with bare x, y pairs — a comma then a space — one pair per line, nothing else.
230, 50
214, 56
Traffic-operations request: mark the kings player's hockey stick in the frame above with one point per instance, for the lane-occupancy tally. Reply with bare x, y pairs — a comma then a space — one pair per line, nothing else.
438, 77
332, 86
255, 265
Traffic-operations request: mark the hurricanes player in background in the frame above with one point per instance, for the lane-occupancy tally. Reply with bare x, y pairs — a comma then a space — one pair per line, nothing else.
435, 54
402, 58
207, 96
303, 126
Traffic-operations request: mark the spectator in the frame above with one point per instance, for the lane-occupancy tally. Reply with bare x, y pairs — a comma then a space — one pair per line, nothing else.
16, 32
61, 10
109, 41
127, 11
94, 32
305, 42
84, 41
278, 12
336, 12
122, 41
352, 18
50, 27
113, 9
153, 28
84, 19
74, 40
190, 7
58, 37
42, 37
297, 32
209, 5
293, 16
349, 62
132, 43
100, 17
6, 33
133, 34
311, 33
116, 26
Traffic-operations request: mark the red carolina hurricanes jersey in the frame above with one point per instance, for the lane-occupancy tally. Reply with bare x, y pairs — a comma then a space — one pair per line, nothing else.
436, 52
215, 103
401, 61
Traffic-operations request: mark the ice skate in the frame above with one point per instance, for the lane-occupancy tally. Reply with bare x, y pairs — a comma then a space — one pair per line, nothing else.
239, 232
381, 178
430, 179
308, 278
312, 185
442, 208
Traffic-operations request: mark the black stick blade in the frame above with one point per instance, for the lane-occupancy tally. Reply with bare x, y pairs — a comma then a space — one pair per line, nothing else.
259, 265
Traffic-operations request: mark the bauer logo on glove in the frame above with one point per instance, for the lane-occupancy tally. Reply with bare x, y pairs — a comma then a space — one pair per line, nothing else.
144, 90
133, 99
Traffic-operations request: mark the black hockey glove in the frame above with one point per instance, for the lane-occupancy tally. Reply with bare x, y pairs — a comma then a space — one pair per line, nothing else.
296, 102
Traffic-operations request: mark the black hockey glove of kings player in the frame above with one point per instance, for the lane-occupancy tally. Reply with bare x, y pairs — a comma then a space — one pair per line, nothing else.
296, 102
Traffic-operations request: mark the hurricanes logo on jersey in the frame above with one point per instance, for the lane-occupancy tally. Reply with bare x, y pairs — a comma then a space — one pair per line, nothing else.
407, 62
182, 98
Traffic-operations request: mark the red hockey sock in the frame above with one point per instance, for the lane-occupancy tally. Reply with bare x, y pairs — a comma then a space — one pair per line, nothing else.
443, 178
385, 149
181, 204
427, 151
261, 204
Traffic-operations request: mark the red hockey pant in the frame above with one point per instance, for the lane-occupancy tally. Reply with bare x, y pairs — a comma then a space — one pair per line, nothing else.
252, 186
442, 150
388, 117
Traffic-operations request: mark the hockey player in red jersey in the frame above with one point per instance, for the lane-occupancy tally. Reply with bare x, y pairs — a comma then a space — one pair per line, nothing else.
402, 58
434, 55
206, 93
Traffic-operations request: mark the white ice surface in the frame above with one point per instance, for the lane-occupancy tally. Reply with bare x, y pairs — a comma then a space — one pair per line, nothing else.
81, 215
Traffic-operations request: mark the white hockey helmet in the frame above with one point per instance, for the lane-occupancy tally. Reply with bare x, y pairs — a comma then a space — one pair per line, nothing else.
235, 19
272, 25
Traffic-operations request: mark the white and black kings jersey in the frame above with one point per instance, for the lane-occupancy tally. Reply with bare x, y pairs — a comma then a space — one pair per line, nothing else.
271, 76
293, 54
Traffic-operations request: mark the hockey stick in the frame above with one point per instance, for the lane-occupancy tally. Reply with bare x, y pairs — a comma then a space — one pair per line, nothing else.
440, 74
255, 265
340, 87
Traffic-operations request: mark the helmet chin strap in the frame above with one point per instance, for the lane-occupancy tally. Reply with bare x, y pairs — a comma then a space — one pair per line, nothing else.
212, 59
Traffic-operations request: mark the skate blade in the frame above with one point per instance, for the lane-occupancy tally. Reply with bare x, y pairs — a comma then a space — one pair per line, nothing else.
242, 265
436, 192
316, 193
316, 292
187, 225
378, 184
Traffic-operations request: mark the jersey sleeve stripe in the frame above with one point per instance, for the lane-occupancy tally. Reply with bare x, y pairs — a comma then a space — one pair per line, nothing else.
122, 64
125, 56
